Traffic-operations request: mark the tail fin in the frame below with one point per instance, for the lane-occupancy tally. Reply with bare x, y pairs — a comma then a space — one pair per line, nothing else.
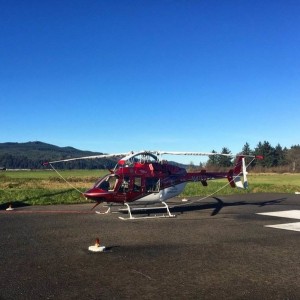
234, 177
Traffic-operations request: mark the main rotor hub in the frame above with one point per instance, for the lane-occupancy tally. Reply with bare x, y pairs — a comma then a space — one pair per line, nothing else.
138, 157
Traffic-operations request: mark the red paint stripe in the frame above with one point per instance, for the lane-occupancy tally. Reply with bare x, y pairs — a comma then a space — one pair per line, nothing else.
46, 212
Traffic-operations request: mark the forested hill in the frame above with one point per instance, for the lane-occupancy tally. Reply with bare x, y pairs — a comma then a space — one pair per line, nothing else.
31, 155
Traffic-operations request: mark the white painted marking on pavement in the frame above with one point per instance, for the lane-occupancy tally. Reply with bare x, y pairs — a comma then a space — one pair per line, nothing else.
290, 214
288, 226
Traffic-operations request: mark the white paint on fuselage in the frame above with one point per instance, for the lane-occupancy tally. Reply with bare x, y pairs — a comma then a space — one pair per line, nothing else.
164, 194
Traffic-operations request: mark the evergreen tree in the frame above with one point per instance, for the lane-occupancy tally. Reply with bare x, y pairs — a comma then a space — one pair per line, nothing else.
293, 158
267, 151
212, 159
224, 161
247, 150
279, 156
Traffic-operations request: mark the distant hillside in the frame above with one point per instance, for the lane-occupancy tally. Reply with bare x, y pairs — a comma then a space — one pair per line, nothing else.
31, 155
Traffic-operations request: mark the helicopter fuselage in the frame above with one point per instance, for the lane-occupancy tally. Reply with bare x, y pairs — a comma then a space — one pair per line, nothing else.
145, 182
145, 178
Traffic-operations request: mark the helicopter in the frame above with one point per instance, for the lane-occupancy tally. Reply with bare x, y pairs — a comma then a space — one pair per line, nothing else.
143, 177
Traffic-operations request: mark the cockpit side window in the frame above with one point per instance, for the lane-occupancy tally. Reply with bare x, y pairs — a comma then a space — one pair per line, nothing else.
152, 184
104, 185
113, 180
137, 184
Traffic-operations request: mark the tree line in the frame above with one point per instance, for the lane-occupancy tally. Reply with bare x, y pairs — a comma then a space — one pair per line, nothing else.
275, 159
9, 161
31, 155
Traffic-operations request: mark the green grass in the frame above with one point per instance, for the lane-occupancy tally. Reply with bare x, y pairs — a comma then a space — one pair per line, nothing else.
258, 183
45, 174
46, 187
40, 196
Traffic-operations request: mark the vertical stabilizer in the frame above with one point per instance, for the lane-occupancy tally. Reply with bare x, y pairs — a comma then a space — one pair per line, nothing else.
239, 169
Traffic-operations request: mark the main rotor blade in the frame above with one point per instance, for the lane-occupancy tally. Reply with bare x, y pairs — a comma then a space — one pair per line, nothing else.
85, 157
132, 153
193, 153
201, 153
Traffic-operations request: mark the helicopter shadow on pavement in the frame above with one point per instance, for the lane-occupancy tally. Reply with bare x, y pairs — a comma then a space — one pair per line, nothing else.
197, 206
217, 207
14, 204
23, 202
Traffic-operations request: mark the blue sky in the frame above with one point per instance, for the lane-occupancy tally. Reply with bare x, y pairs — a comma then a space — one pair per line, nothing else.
114, 76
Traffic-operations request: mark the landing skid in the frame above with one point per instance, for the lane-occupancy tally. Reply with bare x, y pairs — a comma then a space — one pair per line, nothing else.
169, 215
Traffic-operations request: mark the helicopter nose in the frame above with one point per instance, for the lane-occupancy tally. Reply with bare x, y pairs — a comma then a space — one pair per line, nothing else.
93, 193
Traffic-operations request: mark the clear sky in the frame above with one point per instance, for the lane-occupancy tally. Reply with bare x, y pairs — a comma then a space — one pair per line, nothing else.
118, 75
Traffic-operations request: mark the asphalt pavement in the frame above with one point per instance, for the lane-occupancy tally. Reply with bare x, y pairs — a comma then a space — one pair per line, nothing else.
218, 248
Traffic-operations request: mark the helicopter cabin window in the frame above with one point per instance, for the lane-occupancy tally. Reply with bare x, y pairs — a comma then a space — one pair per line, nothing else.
152, 184
125, 185
137, 184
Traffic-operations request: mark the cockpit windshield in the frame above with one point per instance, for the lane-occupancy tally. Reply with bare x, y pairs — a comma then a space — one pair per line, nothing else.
107, 183
142, 157
145, 157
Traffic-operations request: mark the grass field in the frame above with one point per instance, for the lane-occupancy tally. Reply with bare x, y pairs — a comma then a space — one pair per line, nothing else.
47, 187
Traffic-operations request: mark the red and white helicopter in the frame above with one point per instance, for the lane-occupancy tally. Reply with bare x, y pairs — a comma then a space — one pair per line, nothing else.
144, 177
